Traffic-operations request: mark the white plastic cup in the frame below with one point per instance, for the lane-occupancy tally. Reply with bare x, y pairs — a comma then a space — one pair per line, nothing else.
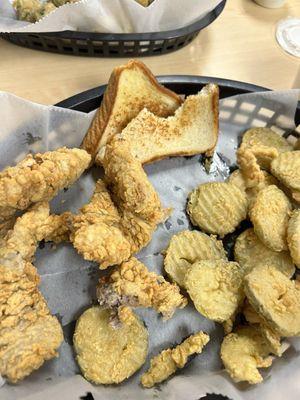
270, 3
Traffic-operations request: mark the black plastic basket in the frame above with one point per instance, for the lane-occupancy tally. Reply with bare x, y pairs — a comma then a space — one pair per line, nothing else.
182, 84
113, 44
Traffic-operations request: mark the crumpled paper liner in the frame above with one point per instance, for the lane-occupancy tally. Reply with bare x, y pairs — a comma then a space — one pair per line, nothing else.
111, 16
68, 282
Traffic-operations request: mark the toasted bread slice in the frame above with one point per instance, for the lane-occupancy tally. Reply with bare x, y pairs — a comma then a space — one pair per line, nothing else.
192, 130
131, 88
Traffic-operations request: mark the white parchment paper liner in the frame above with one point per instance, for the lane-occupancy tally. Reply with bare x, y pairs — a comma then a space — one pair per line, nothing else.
113, 16
68, 282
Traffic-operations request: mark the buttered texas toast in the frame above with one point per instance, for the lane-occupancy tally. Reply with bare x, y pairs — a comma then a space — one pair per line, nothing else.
131, 88
192, 130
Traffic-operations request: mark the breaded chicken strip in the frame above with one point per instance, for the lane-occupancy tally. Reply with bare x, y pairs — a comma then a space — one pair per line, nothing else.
131, 188
29, 335
96, 232
110, 229
39, 178
131, 283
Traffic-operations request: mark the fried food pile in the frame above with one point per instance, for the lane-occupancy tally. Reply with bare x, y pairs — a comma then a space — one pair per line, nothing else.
253, 294
260, 283
34, 10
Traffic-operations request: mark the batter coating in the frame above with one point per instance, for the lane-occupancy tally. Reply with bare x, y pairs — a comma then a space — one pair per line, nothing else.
271, 337
293, 237
187, 247
265, 137
286, 168
250, 252
217, 207
276, 298
109, 355
39, 178
168, 361
243, 352
270, 215
237, 179
247, 158
216, 288
134, 285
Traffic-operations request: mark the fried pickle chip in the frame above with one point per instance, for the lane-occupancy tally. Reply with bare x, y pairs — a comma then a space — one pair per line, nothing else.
271, 337
276, 298
249, 252
216, 288
166, 363
265, 137
270, 214
286, 168
243, 352
217, 207
109, 355
187, 247
293, 236
237, 179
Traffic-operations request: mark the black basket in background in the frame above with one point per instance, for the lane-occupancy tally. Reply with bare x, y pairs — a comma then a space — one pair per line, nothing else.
114, 44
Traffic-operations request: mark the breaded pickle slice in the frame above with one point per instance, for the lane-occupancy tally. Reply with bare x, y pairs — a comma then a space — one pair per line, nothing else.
274, 297
187, 247
109, 355
216, 288
250, 252
217, 207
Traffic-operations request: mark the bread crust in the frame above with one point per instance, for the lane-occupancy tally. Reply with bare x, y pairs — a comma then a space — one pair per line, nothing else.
94, 135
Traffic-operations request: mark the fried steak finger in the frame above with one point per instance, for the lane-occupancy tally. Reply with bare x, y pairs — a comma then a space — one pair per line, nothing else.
168, 361
131, 283
39, 178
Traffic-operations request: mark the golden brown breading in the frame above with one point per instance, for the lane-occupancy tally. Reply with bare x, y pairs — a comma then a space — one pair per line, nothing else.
109, 355
96, 232
271, 337
129, 183
56, 228
22, 240
217, 207
286, 168
276, 298
216, 288
110, 230
293, 237
247, 158
250, 252
39, 178
6, 226
187, 247
138, 287
265, 137
242, 352
29, 335
168, 361
270, 214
